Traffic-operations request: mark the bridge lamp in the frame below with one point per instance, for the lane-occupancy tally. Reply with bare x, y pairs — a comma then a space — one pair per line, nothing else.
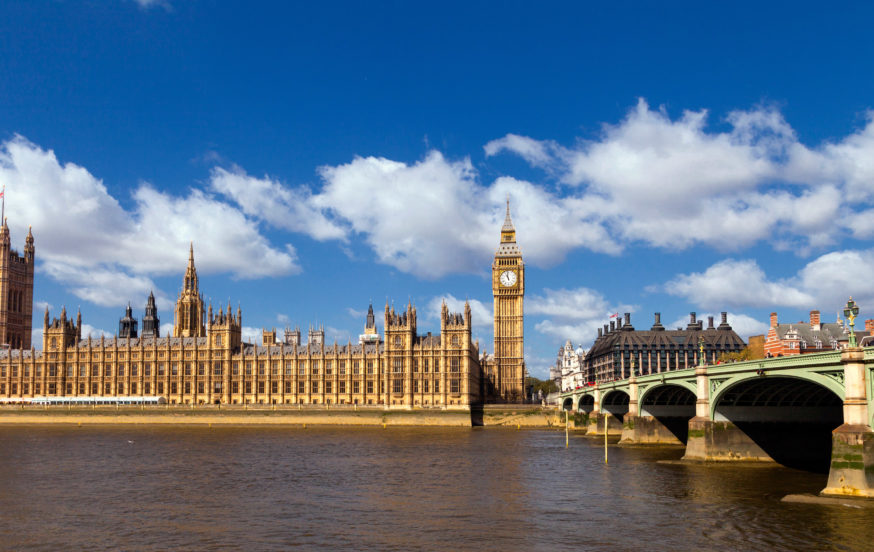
850, 313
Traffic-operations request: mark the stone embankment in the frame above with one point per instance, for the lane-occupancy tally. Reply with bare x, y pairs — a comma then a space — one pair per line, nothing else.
516, 417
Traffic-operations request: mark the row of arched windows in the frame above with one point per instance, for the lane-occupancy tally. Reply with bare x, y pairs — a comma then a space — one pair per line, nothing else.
16, 300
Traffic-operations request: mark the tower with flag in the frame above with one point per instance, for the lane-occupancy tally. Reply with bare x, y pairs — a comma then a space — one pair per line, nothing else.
16, 286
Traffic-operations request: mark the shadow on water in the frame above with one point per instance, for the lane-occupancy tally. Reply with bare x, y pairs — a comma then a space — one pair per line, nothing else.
678, 426
476, 415
805, 446
790, 419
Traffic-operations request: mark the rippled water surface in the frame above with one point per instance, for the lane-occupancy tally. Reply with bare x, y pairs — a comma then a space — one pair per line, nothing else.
394, 489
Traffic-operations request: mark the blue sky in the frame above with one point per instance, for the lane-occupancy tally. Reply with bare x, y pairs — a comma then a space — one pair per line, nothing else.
322, 155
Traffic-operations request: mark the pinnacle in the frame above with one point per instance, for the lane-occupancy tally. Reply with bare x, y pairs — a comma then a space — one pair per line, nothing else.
508, 222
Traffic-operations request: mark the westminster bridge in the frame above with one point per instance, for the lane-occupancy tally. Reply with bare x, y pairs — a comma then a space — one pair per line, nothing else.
812, 411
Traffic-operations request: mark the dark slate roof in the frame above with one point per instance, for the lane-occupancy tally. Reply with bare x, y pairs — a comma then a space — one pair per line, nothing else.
144, 341
16, 353
725, 339
428, 341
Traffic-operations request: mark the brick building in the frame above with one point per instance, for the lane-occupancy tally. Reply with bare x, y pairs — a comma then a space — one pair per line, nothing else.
813, 336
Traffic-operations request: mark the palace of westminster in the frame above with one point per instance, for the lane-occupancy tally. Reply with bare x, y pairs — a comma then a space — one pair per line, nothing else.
206, 361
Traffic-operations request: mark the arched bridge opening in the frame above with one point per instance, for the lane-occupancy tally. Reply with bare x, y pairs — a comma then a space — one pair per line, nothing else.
568, 404
790, 419
586, 404
616, 403
673, 406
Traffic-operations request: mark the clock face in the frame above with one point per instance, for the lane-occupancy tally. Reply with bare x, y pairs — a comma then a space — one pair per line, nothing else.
508, 278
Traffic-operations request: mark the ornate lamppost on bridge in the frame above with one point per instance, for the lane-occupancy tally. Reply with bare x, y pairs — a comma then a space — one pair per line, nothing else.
852, 466
851, 311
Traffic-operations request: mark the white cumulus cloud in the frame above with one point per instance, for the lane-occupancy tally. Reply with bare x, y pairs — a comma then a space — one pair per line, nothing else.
275, 203
85, 239
675, 183
574, 314
736, 283
825, 283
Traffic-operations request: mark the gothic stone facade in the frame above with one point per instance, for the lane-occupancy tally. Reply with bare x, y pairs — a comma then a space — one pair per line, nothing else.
206, 362
16, 291
505, 370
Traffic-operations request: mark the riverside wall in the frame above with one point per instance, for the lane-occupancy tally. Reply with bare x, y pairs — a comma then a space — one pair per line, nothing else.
488, 416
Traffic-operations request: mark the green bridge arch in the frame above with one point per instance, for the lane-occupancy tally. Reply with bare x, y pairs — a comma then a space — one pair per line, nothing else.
648, 389
720, 386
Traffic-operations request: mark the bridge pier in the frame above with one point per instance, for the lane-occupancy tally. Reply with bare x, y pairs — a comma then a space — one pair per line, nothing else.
596, 425
852, 464
646, 430
637, 429
594, 415
711, 441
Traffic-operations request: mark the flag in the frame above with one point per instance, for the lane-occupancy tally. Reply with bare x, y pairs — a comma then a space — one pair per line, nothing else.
614, 315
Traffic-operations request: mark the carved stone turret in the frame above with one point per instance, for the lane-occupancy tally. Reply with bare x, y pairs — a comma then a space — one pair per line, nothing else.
189, 312
61, 333
151, 322
127, 326
225, 329
316, 336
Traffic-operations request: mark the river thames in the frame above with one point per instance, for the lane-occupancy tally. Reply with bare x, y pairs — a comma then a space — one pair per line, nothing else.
158, 488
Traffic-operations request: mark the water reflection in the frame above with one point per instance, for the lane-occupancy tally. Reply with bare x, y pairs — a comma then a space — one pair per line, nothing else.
395, 489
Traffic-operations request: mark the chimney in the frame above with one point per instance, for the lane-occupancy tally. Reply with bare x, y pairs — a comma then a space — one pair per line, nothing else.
612, 325
869, 326
606, 330
709, 322
693, 322
657, 326
814, 320
724, 324
627, 318
600, 333
773, 319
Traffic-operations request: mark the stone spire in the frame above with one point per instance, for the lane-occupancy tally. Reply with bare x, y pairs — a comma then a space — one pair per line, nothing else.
508, 222
151, 322
127, 326
371, 319
28, 244
189, 312
190, 283
508, 247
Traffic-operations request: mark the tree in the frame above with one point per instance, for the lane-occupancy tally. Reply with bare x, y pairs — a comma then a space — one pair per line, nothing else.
745, 354
547, 386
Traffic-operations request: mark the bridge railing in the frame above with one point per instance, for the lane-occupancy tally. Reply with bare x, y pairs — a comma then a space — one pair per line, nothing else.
828, 358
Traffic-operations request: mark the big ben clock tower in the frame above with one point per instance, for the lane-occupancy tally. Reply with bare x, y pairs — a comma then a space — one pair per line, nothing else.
508, 288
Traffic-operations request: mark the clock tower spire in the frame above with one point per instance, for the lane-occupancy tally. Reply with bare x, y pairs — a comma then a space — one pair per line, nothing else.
507, 375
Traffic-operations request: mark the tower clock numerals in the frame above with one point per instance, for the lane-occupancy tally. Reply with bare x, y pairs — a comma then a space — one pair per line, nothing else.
508, 278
